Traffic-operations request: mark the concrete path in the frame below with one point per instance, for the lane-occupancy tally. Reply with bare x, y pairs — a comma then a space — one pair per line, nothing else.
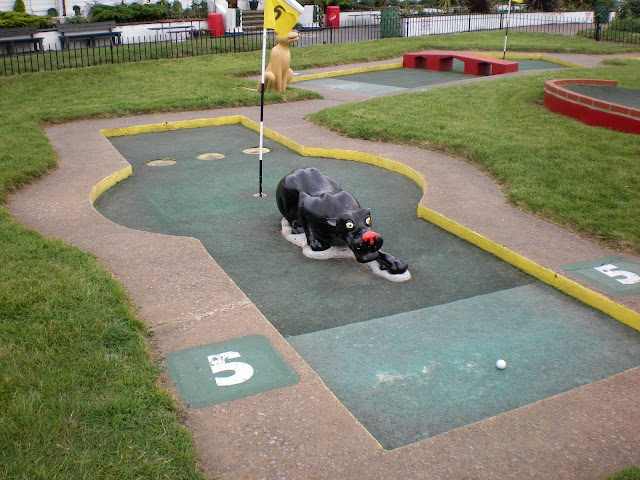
303, 431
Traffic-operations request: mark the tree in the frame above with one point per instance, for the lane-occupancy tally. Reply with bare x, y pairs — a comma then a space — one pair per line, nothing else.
544, 5
479, 6
630, 9
19, 6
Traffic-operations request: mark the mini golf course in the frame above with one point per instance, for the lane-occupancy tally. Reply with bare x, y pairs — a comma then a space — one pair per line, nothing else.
397, 79
409, 360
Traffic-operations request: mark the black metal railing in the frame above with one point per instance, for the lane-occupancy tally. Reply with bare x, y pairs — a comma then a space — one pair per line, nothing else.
202, 43
130, 50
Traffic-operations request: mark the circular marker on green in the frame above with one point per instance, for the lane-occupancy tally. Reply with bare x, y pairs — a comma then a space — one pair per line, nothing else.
211, 156
255, 150
161, 162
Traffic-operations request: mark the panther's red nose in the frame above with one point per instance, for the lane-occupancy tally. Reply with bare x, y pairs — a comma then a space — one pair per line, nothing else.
369, 237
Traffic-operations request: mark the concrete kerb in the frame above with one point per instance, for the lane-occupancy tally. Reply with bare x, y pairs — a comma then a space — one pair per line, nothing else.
303, 431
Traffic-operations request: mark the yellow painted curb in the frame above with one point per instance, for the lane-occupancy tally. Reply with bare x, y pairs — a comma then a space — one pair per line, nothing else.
589, 297
340, 154
108, 182
349, 71
565, 285
524, 56
169, 126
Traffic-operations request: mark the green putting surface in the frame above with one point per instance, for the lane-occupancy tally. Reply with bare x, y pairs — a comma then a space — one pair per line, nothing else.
421, 373
212, 200
398, 79
628, 97
410, 360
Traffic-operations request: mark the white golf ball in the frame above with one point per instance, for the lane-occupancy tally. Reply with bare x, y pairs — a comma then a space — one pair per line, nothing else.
501, 364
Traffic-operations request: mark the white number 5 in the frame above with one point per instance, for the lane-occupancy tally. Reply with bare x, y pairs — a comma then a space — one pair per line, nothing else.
628, 278
218, 363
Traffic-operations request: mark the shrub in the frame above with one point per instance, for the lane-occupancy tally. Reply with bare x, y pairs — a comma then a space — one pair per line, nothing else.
52, 12
76, 19
198, 10
478, 6
626, 24
19, 6
176, 9
345, 5
17, 19
130, 13
630, 9
544, 5
580, 4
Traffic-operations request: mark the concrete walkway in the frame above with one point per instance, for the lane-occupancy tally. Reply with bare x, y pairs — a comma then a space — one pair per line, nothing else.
303, 431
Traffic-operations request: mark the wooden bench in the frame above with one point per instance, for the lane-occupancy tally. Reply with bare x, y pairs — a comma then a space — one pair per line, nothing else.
89, 32
10, 37
187, 31
473, 64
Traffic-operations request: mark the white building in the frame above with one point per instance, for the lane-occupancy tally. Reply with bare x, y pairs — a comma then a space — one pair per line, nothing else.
65, 7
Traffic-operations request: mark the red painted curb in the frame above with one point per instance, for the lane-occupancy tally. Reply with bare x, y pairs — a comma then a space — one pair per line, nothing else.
589, 110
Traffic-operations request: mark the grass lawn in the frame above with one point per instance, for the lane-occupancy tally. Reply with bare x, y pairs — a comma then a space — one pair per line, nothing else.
79, 388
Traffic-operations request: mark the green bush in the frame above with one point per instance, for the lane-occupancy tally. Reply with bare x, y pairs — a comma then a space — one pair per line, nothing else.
19, 6
131, 13
18, 19
345, 5
544, 5
630, 9
478, 6
582, 5
626, 25
76, 19
176, 9
197, 10
52, 12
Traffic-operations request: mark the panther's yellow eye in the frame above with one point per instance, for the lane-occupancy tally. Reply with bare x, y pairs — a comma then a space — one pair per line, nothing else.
349, 225
368, 221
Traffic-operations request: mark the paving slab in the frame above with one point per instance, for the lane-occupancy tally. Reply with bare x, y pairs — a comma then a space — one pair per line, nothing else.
302, 430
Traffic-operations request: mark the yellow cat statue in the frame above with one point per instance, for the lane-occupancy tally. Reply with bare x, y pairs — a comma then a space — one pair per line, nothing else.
278, 73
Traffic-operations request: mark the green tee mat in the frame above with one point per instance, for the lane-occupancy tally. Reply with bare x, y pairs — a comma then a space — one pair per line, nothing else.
462, 309
224, 371
614, 274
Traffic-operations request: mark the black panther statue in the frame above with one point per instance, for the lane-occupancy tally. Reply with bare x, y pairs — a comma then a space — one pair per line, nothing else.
315, 204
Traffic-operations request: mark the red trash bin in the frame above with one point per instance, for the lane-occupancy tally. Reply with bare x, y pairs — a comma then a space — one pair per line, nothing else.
215, 24
332, 15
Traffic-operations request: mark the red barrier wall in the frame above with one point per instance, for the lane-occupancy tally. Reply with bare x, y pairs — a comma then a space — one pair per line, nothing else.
589, 110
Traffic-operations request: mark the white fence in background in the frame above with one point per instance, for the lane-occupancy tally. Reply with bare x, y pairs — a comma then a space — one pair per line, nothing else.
414, 26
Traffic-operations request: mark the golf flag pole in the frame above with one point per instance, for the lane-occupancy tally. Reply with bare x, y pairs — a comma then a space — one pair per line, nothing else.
506, 32
264, 56
280, 16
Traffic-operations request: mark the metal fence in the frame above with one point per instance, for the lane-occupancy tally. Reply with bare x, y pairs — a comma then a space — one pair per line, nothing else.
202, 43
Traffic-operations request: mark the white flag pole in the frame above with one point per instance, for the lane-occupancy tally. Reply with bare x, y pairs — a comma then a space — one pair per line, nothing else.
264, 57
506, 32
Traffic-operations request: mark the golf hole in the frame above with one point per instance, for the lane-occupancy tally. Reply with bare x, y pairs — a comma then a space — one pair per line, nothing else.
161, 162
255, 150
211, 156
